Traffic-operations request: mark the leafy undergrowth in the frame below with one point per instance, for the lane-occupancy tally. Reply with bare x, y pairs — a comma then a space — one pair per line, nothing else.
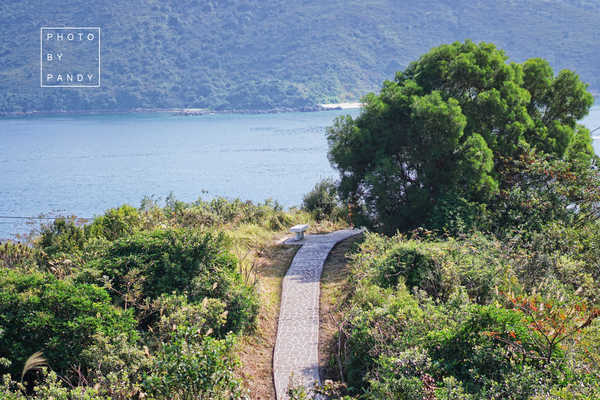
334, 294
153, 303
469, 318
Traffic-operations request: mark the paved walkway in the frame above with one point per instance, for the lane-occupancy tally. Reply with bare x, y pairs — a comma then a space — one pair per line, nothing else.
296, 353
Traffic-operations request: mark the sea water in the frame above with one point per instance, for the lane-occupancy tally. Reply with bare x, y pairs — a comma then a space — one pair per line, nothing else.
82, 165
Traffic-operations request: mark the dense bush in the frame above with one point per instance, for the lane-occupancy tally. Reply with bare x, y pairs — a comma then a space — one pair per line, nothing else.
435, 147
66, 236
220, 211
60, 237
165, 261
470, 325
438, 268
16, 255
138, 303
39, 312
115, 223
323, 201
194, 369
51, 387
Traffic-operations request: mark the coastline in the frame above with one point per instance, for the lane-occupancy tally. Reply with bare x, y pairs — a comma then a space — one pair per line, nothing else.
341, 106
183, 111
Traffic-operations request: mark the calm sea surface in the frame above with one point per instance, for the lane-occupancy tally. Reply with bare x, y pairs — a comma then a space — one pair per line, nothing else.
83, 165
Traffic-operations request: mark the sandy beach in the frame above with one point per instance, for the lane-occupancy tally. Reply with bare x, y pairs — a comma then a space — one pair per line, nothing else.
343, 106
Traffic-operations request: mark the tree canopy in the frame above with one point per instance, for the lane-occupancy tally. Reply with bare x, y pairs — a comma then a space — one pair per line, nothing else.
447, 129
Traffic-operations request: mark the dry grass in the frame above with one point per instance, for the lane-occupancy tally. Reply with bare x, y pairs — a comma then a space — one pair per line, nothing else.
34, 362
265, 261
334, 283
256, 350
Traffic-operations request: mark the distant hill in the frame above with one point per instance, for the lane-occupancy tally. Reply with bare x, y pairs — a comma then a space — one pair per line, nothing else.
262, 54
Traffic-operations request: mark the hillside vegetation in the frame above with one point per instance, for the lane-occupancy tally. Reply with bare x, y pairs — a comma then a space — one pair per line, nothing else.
250, 54
483, 281
148, 303
470, 318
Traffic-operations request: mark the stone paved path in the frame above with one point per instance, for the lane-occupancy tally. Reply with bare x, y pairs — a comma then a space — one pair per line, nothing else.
297, 345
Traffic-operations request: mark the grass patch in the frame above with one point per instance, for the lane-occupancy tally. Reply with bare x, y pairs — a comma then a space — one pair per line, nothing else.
256, 350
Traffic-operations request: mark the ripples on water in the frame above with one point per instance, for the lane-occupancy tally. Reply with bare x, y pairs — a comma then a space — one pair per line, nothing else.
84, 165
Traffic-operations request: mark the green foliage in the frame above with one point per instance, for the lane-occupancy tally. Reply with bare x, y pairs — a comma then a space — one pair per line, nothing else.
116, 367
38, 312
467, 352
61, 236
115, 223
462, 319
194, 370
220, 211
433, 148
178, 261
416, 267
323, 201
438, 268
66, 236
168, 259
51, 387
412, 383
16, 255
162, 325
539, 190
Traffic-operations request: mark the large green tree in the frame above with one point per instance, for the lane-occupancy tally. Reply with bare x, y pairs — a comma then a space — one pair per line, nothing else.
440, 135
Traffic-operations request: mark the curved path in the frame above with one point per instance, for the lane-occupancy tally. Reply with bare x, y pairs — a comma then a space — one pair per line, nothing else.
296, 354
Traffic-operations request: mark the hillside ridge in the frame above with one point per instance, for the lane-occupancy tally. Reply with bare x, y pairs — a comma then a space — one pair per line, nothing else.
268, 54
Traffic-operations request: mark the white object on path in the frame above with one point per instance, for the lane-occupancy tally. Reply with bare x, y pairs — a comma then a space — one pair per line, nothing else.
299, 231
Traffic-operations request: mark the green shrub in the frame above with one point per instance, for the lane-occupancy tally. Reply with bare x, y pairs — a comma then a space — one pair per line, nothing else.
468, 351
51, 387
416, 265
451, 389
41, 313
439, 319
177, 316
438, 268
241, 301
64, 235
61, 236
453, 215
382, 320
180, 261
167, 259
322, 202
574, 391
195, 370
403, 376
116, 367
221, 211
115, 223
